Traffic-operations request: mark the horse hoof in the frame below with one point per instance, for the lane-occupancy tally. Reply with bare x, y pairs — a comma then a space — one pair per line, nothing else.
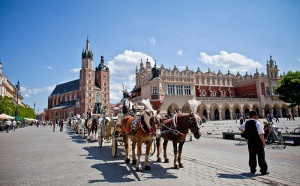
127, 160
158, 159
147, 167
139, 169
181, 165
176, 167
167, 160
134, 162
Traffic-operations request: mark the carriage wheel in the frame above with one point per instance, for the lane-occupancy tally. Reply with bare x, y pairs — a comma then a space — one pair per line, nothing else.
153, 147
114, 146
100, 137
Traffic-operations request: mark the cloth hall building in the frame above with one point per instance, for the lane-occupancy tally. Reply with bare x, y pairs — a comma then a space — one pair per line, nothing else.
86, 94
222, 96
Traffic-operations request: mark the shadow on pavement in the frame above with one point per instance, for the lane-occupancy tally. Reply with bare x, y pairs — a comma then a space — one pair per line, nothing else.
238, 176
115, 171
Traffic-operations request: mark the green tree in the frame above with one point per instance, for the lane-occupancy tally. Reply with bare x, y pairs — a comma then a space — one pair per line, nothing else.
7, 105
289, 89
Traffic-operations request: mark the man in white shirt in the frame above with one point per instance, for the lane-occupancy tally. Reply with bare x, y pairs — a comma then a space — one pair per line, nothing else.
8, 123
14, 124
256, 143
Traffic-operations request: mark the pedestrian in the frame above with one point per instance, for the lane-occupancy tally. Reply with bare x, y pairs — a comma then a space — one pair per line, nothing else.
254, 133
14, 123
61, 124
271, 118
241, 120
276, 119
8, 123
54, 126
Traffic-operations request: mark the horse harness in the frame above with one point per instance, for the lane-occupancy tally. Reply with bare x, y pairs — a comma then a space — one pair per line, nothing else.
175, 128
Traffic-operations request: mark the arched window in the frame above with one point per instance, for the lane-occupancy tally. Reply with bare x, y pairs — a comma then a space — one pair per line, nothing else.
214, 93
223, 93
232, 94
203, 92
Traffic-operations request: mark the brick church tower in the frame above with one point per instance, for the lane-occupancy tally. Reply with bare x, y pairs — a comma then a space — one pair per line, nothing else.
102, 81
87, 79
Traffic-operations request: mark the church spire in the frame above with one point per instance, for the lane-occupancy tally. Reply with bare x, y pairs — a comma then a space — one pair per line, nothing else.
87, 53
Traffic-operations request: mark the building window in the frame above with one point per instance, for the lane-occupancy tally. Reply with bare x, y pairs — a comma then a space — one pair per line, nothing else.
179, 90
187, 89
268, 91
104, 95
214, 93
104, 76
70, 97
171, 89
154, 90
274, 91
97, 76
90, 82
89, 76
104, 84
203, 92
232, 94
223, 93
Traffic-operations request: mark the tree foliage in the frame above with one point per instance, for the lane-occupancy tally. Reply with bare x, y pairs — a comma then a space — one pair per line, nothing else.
7, 106
289, 89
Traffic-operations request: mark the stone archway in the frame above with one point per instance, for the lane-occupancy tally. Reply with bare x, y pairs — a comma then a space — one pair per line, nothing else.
237, 109
256, 108
186, 108
284, 110
214, 112
268, 109
246, 109
172, 107
203, 111
226, 112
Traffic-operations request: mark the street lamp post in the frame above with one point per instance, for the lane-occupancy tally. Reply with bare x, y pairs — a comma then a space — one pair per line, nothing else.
17, 101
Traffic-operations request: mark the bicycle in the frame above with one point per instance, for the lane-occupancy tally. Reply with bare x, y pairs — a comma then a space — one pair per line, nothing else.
275, 136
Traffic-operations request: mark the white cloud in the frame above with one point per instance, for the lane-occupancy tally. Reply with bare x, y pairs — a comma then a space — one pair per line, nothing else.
180, 52
49, 67
75, 70
152, 41
298, 60
122, 70
233, 61
28, 92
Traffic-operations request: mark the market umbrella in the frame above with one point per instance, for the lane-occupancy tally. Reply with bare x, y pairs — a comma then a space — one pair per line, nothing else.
5, 116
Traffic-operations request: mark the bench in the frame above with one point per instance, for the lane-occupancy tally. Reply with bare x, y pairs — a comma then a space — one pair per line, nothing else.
295, 138
230, 135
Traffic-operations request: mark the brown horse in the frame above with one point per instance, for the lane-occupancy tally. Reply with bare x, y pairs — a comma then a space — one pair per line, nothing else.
139, 131
92, 126
177, 132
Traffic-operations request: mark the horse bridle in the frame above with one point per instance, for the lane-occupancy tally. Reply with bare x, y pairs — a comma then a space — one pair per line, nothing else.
192, 122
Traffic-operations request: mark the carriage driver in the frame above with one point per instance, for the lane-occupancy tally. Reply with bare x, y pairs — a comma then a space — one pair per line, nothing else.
129, 106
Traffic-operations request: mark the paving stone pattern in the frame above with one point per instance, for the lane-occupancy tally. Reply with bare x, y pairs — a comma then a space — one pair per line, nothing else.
38, 156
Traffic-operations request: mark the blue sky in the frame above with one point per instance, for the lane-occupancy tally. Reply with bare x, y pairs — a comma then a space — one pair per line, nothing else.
41, 41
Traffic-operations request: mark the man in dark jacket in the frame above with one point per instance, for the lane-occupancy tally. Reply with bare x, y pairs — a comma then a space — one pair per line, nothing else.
256, 143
